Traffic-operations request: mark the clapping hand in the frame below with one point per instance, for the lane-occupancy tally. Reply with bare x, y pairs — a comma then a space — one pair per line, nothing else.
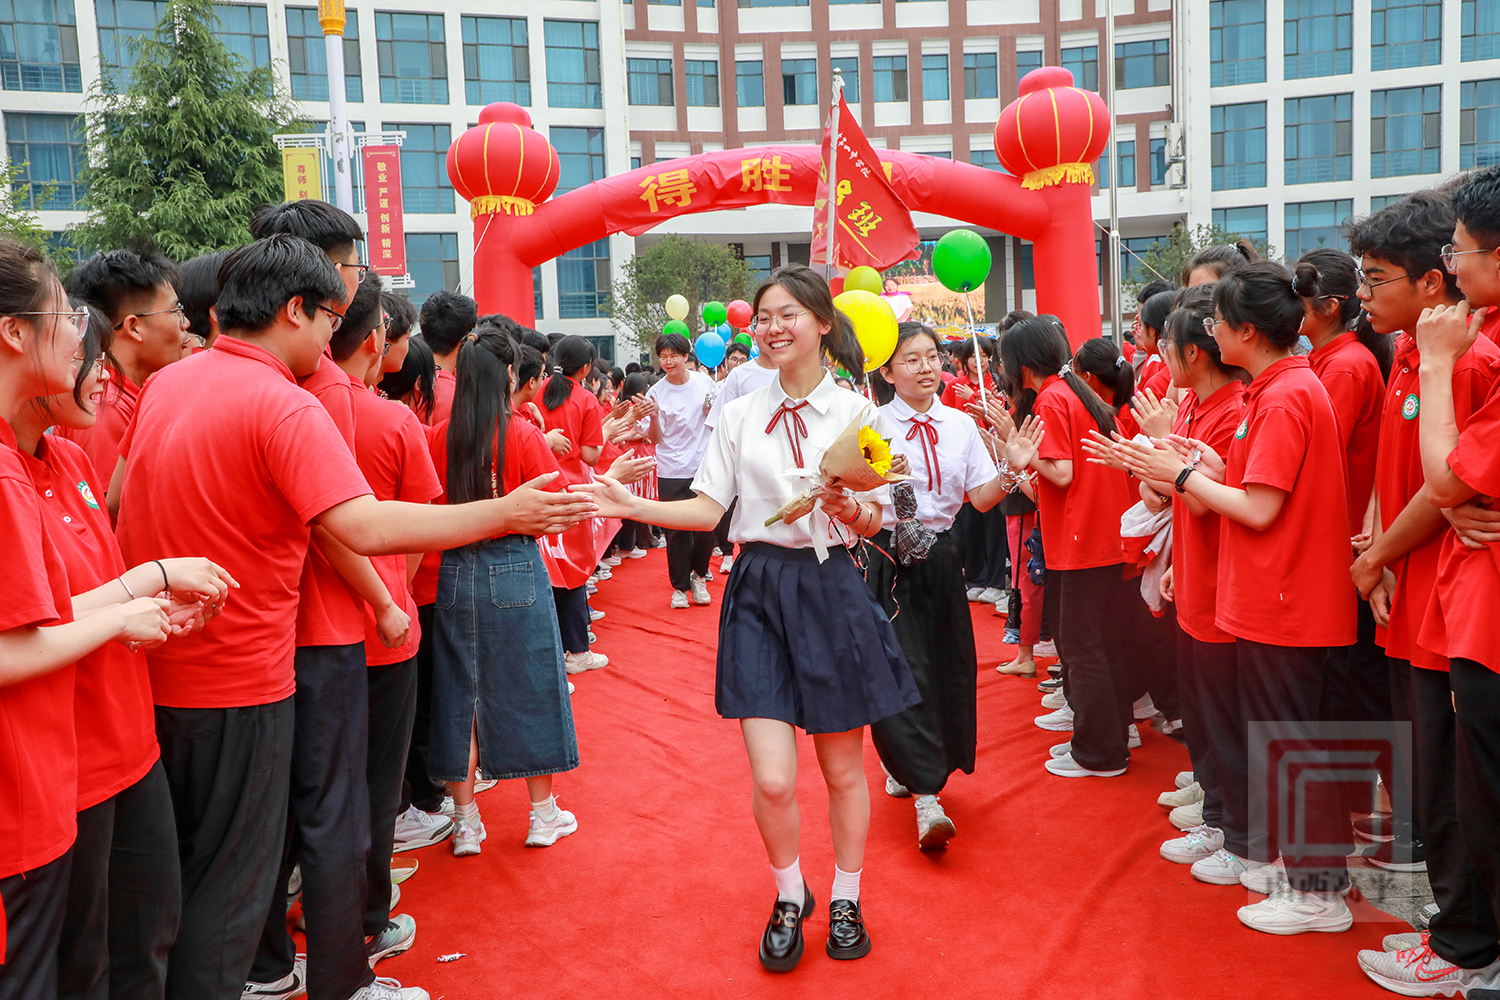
1024, 444
1156, 416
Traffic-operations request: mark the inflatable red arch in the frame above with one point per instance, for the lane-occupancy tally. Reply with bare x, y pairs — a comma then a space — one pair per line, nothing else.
1046, 138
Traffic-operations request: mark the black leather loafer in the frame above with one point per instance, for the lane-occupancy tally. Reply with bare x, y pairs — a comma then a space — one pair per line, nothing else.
781, 944
847, 938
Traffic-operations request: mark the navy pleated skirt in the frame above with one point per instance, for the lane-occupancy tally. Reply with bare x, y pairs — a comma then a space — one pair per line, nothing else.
807, 643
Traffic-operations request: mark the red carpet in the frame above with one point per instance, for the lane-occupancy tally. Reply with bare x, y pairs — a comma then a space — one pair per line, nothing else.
1053, 887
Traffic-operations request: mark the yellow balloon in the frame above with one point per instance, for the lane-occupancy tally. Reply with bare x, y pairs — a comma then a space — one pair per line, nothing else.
874, 324
866, 278
677, 307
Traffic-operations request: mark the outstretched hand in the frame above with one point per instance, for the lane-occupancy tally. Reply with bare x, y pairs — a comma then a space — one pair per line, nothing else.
608, 496
1101, 450
532, 510
1021, 450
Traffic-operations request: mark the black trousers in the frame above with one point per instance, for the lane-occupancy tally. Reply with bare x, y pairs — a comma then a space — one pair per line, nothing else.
1465, 929
1476, 700
34, 902
124, 896
1208, 682
1093, 607
688, 552
573, 618
626, 537
228, 770
721, 532
418, 789
329, 832
1152, 646
393, 703
1357, 688
981, 540
1403, 709
1285, 684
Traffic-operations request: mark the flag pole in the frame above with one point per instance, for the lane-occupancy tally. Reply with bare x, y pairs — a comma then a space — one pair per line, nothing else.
978, 359
833, 186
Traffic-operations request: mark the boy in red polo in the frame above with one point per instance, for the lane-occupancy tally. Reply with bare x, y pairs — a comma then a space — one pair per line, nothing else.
447, 318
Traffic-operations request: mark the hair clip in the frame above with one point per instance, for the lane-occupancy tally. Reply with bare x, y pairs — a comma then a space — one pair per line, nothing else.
1065, 370
1119, 361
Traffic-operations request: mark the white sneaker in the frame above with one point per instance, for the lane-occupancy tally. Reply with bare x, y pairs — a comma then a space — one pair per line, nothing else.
1183, 779
592, 637
726, 565
991, 595
1223, 868
570, 687
1182, 797
397, 937
1055, 700
403, 869
415, 828
636, 553
1266, 878
700, 590
483, 784
1066, 767
577, 663
934, 828
1194, 845
602, 573
1401, 942
395, 898
595, 615
293, 984
546, 832
708, 576
679, 599
389, 989
1133, 740
895, 789
1143, 708
717, 551
1060, 721
1045, 648
467, 839
1188, 816
1062, 749
611, 561
590, 588
1169, 727
973, 594
1287, 911
446, 807
1420, 972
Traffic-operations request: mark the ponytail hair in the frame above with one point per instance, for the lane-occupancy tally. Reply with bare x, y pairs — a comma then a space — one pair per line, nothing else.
417, 377
1328, 273
1100, 358
1261, 295
570, 354
1039, 343
481, 415
811, 292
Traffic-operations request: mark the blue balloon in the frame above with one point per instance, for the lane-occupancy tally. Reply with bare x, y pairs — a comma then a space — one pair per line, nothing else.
754, 350
710, 348
725, 332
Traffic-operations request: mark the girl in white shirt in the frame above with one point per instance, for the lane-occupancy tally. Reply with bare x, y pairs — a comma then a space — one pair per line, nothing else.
801, 640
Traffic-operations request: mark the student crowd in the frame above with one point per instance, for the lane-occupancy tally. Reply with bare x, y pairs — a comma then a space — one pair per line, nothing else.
291, 583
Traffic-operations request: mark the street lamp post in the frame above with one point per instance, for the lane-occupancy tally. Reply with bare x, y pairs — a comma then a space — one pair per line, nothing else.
331, 17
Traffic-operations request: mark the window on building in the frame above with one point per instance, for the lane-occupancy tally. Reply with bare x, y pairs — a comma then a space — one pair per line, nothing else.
573, 64
1313, 224
750, 83
1083, 61
1405, 33
1405, 131
760, 267
583, 281
424, 168
650, 81
1025, 63
665, 3
1319, 38
1125, 157
1131, 247
799, 81
1379, 201
635, 163
890, 78
1246, 220
1158, 154
1236, 42
1480, 34
497, 60
48, 151
848, 68
1143, 64
1479, 124
935, 76
580, 151
536, 291
986, 158
307, 56
1025, 264
413, 58
432, 262
1319, 139
772, 3
980, 78
242, 28
702, 82
244, 31
39, 46
1239, 146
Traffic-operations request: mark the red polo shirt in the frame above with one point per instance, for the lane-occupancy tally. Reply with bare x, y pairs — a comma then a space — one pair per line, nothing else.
1491, 326
1195, 540
1356, 388
240, 491
578, 418
38, 751
1398, 477
424, 584
112, 701
101, 442
392, 453
443, 384
1080, 522
1288, 585
1156, 376
527, 455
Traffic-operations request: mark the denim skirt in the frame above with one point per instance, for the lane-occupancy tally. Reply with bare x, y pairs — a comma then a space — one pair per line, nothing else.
497, 664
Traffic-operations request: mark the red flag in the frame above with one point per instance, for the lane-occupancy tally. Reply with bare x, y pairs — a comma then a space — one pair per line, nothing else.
874, 226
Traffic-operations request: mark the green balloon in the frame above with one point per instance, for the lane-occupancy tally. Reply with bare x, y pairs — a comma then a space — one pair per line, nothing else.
676, 326
961, 260
714, 313
744, 338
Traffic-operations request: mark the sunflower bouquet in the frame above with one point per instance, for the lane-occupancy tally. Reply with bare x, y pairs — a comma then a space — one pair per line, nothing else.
858, 460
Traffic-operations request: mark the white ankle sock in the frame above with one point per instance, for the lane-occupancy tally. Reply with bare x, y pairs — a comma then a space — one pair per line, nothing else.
546, 809
789, 884
845, 885
466, 814
916, 801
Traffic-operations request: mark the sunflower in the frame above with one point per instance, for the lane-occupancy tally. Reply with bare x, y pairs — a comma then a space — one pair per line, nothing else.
876, 450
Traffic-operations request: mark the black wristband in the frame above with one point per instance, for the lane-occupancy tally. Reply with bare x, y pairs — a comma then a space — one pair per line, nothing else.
165, 583
1182, 478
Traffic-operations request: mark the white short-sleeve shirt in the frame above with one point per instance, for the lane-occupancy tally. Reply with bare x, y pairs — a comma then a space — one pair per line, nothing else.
684, 435
962, 461
746, 462
741, 382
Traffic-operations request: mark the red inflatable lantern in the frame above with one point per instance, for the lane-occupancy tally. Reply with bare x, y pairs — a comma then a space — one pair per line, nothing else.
1053, 132
503, 164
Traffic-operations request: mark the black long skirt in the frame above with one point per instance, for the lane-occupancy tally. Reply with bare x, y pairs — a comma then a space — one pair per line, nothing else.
923, 745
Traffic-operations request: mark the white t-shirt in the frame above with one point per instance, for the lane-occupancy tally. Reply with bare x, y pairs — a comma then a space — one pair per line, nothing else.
744, 461
741, 382
684, 435
900, 304
962, 460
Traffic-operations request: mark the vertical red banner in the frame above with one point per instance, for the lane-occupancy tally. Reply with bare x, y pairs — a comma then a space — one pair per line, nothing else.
387, 233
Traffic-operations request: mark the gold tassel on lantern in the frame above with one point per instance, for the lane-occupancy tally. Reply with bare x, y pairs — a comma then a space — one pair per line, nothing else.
494, 204
1071, 173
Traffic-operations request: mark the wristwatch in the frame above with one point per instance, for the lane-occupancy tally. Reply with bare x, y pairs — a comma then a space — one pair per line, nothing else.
1182, 478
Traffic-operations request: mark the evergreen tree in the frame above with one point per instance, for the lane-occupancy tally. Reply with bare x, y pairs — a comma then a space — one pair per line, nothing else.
182, 157
702, 272
17, 222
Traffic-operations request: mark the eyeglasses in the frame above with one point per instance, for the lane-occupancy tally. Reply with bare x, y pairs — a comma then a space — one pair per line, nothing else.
363, 269
79, 316
336, 318
1364, 279
785, 321
178, 308
915, 365
1449, 253
1210, 323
